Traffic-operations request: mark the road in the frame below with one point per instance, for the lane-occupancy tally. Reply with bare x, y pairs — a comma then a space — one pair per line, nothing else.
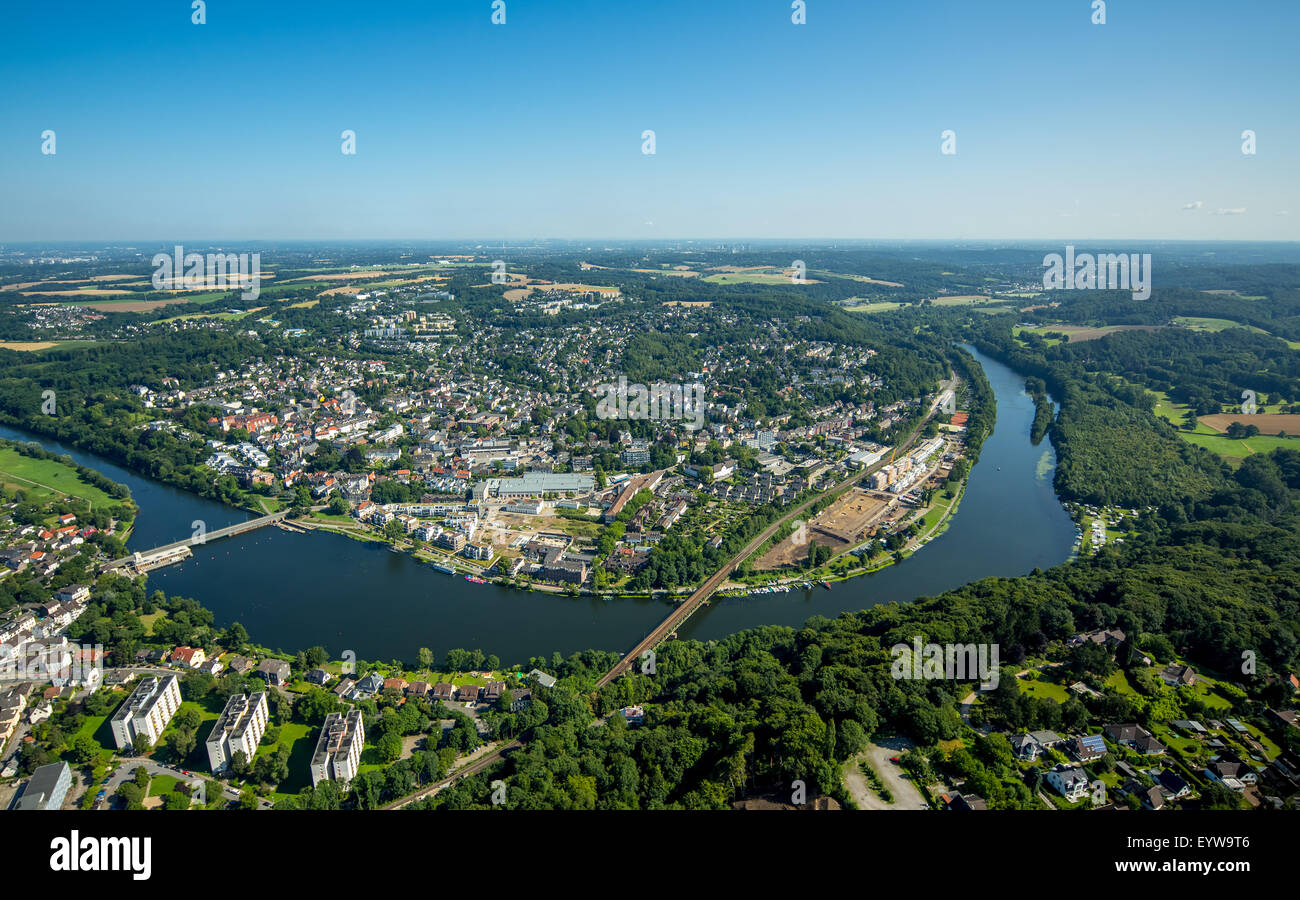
126, 771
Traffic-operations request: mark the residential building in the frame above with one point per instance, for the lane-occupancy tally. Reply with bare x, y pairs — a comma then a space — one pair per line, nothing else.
546, 681
1136, 738
520, 698
1175, 675
1029, 746
275, 671
1071, 782
338, 751
239, 728
47, 788
1088, 748
189, 657
147, 711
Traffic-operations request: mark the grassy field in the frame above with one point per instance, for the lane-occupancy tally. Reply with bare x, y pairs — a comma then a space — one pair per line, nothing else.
772, 276
1044, 690
149, 620
865, 279
1234, 451
963, 300
1205, 323
1238, 450
939, 508
47, 479
301, 740
162, 784
1119, 681
860, 305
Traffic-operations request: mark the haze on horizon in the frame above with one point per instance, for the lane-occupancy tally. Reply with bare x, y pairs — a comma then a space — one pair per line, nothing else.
1064, 130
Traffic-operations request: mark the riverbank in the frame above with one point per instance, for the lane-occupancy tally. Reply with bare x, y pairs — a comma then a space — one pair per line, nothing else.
295, 591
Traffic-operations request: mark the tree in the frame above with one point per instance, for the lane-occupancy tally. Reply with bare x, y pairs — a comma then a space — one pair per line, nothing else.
84, 748
182, 742
389, 746
426, 658
236, 637
132, 795
176, 799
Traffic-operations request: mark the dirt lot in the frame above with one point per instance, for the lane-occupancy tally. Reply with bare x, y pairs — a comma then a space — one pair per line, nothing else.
839, 527
1270, 423
850, 515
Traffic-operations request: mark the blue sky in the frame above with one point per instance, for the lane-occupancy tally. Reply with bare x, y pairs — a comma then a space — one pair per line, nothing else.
1064, 130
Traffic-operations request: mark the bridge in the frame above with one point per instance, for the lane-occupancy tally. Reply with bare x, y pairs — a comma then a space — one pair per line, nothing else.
678, 615
145, 556
687, 608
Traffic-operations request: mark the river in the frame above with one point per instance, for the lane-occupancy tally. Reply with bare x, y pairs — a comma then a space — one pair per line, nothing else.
293, 591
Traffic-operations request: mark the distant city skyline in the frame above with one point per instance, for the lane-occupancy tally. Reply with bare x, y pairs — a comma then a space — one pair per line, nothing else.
1064, 130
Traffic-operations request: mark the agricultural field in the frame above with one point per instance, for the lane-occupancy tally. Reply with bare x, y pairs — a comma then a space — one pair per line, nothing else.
862, 305
962, 300
1267, 423
37, 346
862, 278
1080, 333
759, 276
1233, 450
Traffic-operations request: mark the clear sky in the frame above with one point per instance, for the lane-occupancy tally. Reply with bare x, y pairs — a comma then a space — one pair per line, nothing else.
169, 130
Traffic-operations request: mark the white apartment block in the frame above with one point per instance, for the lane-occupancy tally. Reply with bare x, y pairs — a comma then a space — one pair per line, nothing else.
338, 752
147, 711
239, 728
